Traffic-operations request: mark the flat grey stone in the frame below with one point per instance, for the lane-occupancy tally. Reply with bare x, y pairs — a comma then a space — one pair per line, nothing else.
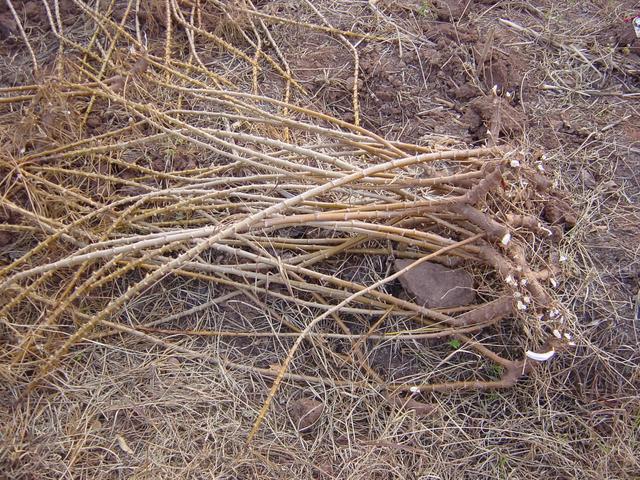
436, 286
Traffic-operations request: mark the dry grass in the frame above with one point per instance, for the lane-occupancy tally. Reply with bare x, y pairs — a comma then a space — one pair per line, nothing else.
193, 242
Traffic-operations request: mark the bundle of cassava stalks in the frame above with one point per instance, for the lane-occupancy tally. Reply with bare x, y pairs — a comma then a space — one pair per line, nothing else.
126, 172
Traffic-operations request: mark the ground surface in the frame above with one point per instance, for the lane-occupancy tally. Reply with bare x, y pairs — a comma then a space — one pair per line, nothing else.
566, 78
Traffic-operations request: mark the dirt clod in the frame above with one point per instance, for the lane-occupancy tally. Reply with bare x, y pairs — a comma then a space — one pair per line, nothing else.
305, 412
450, 10
436, 286
483, 113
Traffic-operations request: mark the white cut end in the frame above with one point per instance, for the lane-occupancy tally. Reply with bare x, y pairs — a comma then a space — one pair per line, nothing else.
567, 336
546, 230
572, 344
540, 357
514, 163
414, 390
540, 167
527, 299
553, 281
506, 239
554, 313
524, 282
510, 281
494, 90
557, 334
521, 306
563, 258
